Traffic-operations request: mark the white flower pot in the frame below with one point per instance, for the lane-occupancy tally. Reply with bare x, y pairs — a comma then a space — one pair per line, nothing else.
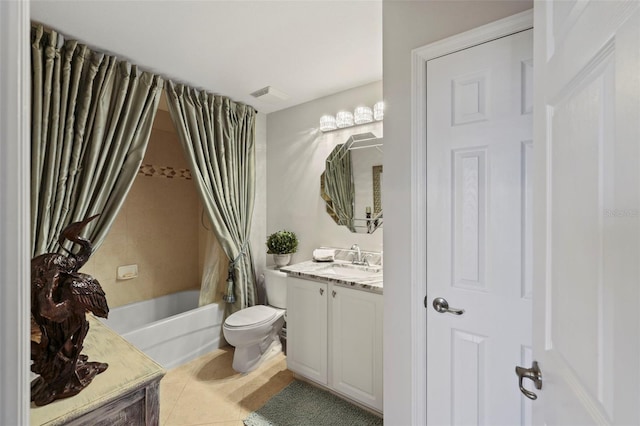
282, 259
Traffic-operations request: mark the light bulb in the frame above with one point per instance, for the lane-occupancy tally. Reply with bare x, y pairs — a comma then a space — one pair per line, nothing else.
344, 119
363, 115
327, 123
378, 111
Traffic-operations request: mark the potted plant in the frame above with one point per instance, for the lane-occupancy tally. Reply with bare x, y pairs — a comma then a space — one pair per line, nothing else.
281, 244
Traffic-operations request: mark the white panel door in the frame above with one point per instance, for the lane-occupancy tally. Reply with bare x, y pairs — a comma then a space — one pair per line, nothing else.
307, 328
479, 192
587, 168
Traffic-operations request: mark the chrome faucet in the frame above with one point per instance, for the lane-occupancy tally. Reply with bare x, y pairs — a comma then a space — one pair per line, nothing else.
358, 258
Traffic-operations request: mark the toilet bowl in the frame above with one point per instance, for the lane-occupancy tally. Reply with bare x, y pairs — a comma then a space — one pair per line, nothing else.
254, 331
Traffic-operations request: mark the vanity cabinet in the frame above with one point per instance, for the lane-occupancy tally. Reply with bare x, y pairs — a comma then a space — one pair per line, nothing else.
335, 338
307, 324
355, 345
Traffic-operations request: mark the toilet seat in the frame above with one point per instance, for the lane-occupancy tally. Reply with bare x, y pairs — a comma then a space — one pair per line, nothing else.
251, 317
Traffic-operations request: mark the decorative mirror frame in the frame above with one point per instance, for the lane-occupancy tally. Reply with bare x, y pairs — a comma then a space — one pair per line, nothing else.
373, 220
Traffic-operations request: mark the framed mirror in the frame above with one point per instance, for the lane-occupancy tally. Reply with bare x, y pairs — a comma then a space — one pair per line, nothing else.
352, 181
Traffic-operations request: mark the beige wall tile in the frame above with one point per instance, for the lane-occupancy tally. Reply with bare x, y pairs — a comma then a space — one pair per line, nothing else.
163, 121
158, 229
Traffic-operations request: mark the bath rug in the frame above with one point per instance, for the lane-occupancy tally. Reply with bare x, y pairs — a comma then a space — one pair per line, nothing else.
301, 404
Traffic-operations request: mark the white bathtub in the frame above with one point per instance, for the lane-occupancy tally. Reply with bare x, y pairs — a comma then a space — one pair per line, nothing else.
170, 329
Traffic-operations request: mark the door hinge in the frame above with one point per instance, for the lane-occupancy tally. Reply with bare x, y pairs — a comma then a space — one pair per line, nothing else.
425, 302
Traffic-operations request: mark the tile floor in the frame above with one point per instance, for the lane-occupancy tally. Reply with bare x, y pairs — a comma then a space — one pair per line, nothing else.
207, 391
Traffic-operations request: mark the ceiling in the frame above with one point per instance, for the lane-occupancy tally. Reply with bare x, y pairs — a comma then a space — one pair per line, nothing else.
306, 49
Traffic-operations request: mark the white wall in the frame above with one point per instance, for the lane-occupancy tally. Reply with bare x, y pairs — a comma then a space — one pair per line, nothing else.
296, 153
406, 26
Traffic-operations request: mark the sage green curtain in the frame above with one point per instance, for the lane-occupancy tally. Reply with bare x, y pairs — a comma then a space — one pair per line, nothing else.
338, 182
91, 119
218, 137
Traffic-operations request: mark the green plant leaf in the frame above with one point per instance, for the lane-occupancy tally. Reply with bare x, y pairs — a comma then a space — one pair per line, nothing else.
282, 242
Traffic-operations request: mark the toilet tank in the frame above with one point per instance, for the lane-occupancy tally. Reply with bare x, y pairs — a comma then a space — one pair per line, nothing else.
275, 284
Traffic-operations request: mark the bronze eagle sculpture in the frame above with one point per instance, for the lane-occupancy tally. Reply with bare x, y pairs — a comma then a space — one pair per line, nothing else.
60, 298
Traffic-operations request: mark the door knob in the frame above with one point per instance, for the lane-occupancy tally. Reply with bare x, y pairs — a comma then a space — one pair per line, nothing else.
441, 305
533, 374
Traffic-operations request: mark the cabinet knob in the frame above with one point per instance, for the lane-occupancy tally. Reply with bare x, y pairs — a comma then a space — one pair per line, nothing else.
321, 291
333, 293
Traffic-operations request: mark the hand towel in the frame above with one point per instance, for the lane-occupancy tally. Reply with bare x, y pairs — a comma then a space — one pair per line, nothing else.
324, 255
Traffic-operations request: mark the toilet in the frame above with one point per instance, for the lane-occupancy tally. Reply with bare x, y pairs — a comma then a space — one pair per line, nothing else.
254, 331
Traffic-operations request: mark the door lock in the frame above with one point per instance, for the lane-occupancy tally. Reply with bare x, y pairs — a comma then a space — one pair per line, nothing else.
533, 374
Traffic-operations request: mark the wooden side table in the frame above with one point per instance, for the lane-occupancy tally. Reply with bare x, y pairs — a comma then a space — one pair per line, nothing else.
127, 393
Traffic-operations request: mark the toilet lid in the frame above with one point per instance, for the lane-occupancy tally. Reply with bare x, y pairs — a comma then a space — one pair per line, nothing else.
254, 315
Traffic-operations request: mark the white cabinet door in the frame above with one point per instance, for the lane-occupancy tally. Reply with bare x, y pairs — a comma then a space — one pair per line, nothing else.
356, 345
587, 212
307, 328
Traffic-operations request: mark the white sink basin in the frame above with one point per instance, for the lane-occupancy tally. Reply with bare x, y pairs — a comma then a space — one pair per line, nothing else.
350, 271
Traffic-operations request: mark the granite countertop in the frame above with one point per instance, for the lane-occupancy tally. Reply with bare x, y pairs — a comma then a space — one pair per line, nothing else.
341, 273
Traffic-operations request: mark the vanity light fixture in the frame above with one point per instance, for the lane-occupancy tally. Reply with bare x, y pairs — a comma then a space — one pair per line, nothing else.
362, 115
328, 123
378, 111
344, 119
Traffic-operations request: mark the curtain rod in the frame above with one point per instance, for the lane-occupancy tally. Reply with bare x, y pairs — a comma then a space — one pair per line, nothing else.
124, 58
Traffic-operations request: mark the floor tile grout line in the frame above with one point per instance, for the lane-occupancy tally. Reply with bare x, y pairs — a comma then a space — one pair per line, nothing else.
175, 402
208, 365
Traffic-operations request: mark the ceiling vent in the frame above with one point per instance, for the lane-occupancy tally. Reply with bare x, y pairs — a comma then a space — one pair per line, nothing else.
270, 94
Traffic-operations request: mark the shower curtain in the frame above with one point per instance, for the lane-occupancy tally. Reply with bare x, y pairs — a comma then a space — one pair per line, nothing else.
91, 118
218, 137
